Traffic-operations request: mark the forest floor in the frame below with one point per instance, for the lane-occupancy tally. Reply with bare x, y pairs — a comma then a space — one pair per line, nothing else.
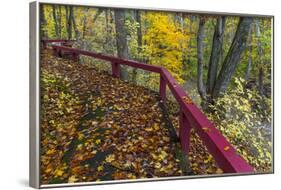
95, 127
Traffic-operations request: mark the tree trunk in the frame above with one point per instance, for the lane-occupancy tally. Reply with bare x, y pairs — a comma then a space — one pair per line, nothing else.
200, 37
60, 22
216, 53
260, 61
77, 33
121, 39
139, 39
250, 58
43, 32
68, 13
139, 32
84, 24
233, 56
55, 20
189, 47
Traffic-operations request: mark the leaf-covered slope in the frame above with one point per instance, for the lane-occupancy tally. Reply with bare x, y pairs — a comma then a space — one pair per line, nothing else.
96, 127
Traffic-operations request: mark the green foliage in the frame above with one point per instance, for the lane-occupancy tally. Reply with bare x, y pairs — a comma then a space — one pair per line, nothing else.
240, 116
258, 61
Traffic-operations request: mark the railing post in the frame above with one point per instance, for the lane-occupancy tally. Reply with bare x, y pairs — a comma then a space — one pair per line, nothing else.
115, 69
55, 52
162, 92
44, 43
184, 132
75, 56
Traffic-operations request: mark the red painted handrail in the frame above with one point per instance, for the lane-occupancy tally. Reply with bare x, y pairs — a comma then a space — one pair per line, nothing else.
190, 116
45, 42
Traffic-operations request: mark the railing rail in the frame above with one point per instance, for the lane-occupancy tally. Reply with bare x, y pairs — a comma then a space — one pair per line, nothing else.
63, 42
190, 117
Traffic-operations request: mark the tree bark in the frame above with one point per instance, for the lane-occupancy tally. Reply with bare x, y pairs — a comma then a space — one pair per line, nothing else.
60, 22
55, 20
97, 15
260, 61
139, 40
84, 24
43, 32
77, 33
200, 45
139, 32
250, 52
189, 43
233, 56
121, 39
216, 53
68, 13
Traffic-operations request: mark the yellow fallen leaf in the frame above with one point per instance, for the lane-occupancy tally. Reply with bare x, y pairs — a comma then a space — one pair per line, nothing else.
98, 141
128, 164
156, 127
80, 136
110, 158
131, 176
226, 148
58, 172
157, 165
79, 147
219, 171
100, 168
51, 151
72, 179
167, 139
94, 123
154, 156
80, 157
149, 129
48, 170
206, 129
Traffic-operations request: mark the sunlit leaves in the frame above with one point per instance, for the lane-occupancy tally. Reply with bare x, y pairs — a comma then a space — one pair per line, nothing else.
72, 179
242, 115
110, 158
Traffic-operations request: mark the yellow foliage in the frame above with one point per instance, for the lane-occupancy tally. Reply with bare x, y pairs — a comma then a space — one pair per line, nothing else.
165, 42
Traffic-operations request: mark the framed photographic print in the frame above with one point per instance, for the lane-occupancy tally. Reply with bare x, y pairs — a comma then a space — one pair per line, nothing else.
122, 94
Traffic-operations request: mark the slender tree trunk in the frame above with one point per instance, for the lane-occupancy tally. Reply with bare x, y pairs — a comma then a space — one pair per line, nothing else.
189, 47
60, 22
233, 56
121, 39
106, 25
216, 53
139, 32
43, 32
185, 53
97, 15
84, 24
55, 20
77, 33
139, 39
69, 12
260, 61
250, 58
67, 21
200, 45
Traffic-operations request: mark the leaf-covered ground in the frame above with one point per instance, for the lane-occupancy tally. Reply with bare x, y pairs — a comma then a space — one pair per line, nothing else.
95, 127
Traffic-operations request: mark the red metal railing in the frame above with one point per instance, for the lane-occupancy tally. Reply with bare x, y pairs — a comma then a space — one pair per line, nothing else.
61, 42
190, 116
